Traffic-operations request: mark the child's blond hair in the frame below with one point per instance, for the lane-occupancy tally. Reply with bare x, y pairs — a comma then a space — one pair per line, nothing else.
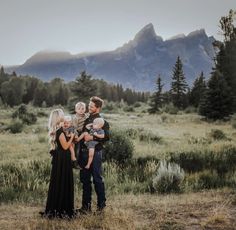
68, 118
99, 121
80, 104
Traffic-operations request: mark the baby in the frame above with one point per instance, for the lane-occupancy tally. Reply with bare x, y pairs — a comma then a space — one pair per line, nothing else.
95, 129
68, 129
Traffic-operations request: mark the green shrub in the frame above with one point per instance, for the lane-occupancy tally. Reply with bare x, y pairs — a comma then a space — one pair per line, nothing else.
23, 114
170, 108
168, 178
128, 108
132, 133
192, 161
206, 179
233, 121
234, 124
140, 170
164, 118
222, 159
119, 149
42, 139
16, 126
148, 136
29, 118
24, 181
42, 114
190, 109
137, 104
198, 140
217, 134
110, 106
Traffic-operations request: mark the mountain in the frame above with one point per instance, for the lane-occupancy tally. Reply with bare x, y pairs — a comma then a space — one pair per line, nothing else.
136, 64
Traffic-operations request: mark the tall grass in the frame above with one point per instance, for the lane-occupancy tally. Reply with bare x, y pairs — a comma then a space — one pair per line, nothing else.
207, 155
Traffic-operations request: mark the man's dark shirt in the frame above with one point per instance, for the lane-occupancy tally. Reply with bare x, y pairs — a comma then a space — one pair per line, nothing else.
106, 128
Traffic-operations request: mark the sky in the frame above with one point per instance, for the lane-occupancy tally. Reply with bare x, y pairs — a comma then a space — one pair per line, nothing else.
29, 26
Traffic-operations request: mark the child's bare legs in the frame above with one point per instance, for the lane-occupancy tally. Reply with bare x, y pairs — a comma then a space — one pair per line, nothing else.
90, 158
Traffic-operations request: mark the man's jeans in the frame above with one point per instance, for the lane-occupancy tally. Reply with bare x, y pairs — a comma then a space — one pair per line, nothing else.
95, 171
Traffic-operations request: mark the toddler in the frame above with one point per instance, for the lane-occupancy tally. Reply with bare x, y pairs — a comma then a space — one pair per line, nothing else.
95, 129
68, 129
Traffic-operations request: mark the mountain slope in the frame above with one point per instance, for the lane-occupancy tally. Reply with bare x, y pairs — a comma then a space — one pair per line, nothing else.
136, 64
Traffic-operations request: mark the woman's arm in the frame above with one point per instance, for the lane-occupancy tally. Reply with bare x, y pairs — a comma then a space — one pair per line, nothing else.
64, 143
77, 139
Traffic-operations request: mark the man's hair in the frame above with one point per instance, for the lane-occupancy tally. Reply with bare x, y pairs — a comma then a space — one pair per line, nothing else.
97, 101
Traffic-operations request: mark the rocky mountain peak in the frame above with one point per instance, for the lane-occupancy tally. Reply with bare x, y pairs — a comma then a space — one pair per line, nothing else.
147, 33
198, 33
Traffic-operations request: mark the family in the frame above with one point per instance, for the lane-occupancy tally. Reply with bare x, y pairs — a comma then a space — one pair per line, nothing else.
76, 142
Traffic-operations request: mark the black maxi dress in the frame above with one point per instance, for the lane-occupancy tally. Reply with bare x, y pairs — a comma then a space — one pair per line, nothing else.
60, 200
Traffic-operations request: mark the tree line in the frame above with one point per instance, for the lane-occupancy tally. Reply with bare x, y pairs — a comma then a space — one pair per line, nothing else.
215, 98
15, 90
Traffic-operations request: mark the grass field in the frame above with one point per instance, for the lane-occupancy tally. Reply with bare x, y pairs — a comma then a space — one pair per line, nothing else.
129, 205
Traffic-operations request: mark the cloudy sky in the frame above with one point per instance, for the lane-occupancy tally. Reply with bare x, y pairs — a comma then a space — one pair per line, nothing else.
29, 26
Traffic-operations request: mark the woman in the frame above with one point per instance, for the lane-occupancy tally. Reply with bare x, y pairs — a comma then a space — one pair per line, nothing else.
60, 200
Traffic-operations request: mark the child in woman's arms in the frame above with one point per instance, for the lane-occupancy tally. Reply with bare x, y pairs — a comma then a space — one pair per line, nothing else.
68, 129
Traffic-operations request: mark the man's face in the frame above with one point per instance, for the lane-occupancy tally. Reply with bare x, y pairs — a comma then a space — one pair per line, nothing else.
92, 108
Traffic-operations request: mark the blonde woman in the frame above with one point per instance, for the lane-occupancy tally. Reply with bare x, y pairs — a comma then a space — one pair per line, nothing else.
60, 200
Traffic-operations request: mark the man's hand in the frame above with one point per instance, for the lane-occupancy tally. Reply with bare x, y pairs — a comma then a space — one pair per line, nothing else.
88, 137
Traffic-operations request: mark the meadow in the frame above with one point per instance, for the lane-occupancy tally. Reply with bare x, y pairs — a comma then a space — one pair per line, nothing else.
205, 152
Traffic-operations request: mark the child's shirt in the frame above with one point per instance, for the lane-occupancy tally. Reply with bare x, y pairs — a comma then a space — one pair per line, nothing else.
78, 121
98, 131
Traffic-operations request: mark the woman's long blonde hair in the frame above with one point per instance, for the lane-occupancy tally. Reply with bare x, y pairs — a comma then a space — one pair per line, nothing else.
55, 119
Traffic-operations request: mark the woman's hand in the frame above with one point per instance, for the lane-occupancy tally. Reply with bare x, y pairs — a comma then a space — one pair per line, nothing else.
72, 135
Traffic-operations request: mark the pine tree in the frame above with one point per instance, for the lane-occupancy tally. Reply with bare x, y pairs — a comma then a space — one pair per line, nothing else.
217, 101
157, 98
3, 75
226, 57
178, 86
41, 95
82, 89
199, 86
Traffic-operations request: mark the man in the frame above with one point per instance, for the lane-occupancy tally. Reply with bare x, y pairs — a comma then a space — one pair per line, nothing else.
95, 170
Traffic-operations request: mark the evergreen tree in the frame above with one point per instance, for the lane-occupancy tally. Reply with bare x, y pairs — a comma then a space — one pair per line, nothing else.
157, 98
217, 100
82, 89
31, 84
226, 57
41, 95
3, 75
2, 71
199, 86
178, 85
12, 91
